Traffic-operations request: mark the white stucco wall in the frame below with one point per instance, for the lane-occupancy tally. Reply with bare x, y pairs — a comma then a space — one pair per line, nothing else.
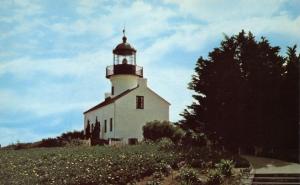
122, 83
131, 120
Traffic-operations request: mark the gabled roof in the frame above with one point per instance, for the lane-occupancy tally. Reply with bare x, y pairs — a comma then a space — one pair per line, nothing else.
108, 101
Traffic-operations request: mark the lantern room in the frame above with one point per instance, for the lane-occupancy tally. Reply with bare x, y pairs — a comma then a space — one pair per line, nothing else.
124, 60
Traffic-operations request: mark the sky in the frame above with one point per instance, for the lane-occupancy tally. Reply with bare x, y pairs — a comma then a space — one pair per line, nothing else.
53, 54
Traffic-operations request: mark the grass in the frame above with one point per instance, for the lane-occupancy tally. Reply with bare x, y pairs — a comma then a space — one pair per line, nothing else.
81, 165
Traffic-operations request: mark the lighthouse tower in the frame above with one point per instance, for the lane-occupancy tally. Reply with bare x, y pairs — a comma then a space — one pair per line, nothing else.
124, 74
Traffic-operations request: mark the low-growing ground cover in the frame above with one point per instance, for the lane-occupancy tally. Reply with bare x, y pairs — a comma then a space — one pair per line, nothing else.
82, 165
146, 163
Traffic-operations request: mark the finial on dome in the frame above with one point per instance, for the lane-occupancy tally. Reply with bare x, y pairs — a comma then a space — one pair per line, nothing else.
124, 37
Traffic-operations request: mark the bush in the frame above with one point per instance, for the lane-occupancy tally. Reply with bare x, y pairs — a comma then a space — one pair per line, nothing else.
214, 178
71, 135
192, 138
165, 144
197, 163
51, 142
177, 135
163, 168
240, 162
156, 179
188, 176
76, 142
156, 130
96, 131
225, 167
20, 146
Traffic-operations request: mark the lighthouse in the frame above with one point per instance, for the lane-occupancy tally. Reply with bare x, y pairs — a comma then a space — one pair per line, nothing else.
130, 104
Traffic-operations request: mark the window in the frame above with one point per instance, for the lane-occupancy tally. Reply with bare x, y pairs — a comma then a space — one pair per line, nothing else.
111, 125
140, 102
112, 90
105, 126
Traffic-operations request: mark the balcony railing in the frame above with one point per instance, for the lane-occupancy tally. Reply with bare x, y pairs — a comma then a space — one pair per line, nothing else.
124, 69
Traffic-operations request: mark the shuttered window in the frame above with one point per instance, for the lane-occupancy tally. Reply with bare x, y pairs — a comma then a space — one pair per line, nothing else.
111, 124
140, 102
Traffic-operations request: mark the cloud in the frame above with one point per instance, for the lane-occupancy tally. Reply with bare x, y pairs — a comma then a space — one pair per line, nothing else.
153, 18
78, 65
55, 85
87, 7
41, 103
215, 10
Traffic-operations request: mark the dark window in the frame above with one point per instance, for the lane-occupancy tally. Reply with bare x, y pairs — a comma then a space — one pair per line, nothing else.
105, 126
140, 102
112, 90
111, 125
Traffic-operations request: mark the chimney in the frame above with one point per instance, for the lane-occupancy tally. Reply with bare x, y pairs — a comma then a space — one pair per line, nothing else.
107, 95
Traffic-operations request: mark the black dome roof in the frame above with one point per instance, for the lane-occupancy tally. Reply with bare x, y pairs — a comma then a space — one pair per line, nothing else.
124, 48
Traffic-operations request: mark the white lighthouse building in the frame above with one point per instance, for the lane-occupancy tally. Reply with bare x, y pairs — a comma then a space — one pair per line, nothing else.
130, 104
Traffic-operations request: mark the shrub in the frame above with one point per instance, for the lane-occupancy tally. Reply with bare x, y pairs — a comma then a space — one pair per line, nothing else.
71, 135
76, 142
165, 144
20, 146
188, 176
214, 178
156, 179
197, 163
225, 167
240, 162
51, 142
192, 138
88, 131
156, 130
163, 167
177, 135
96, 131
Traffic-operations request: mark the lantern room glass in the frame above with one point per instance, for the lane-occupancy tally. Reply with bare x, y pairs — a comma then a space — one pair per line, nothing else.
124, 59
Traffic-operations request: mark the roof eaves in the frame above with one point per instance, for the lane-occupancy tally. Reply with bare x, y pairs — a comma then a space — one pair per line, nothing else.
110, 100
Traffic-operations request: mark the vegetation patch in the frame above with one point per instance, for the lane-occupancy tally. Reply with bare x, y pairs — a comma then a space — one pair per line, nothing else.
83, 165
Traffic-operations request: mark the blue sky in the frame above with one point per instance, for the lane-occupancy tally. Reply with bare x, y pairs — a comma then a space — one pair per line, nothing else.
53, 54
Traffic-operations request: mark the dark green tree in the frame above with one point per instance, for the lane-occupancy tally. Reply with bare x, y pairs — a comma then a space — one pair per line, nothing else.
237, 92
290, 101
88, 131
96, 131
261, 68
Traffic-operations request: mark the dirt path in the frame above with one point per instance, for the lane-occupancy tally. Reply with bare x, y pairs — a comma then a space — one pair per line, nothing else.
268, 165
